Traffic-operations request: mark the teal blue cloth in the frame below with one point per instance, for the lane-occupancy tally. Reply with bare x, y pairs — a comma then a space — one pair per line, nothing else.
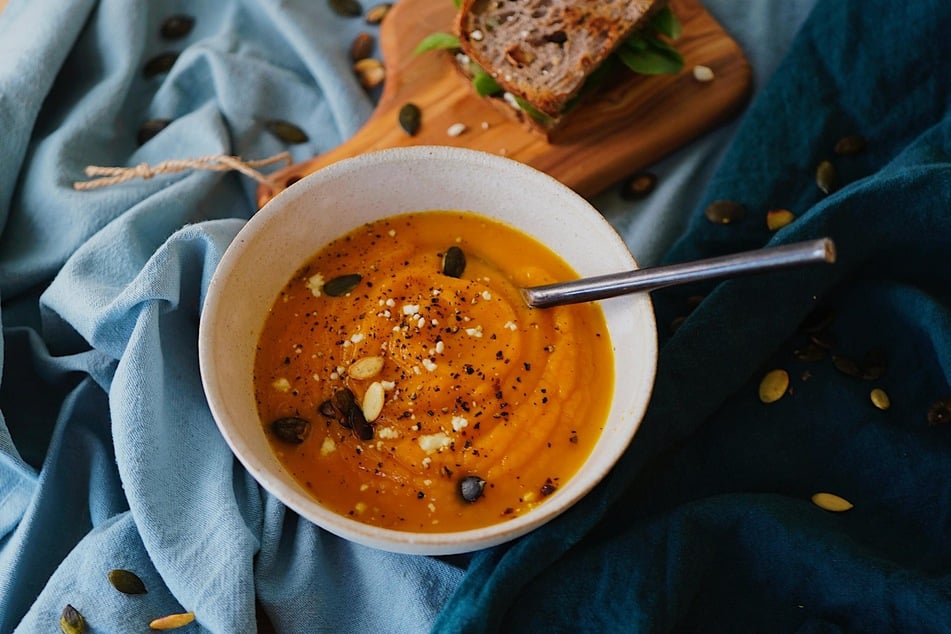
707, 524
109, 457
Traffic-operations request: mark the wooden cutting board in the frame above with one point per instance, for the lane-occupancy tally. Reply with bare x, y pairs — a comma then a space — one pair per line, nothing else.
605, 140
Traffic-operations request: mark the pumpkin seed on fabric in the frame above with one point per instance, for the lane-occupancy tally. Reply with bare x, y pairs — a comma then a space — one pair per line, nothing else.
851, 144
71, 621
126, 582
346, 8
724, 212
160, 64
773, 386
150, 128
176, 26
286, 131
826, 177
831, 502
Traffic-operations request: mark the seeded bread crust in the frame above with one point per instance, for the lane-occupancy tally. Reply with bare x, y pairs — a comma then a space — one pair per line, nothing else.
543, 50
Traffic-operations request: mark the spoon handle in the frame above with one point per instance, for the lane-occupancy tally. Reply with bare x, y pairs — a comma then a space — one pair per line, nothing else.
642, 280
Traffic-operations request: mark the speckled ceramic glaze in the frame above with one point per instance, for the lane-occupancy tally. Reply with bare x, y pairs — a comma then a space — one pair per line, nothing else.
297, 223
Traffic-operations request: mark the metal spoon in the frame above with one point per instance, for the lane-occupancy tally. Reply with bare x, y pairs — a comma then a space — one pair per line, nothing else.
642, 280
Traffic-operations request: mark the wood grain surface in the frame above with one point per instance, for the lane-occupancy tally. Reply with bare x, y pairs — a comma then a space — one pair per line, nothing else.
622, 130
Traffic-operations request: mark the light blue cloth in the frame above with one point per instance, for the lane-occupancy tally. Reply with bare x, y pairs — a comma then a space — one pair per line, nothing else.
109, 457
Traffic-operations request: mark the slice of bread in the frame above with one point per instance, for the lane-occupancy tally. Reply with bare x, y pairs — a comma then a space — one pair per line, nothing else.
543, 50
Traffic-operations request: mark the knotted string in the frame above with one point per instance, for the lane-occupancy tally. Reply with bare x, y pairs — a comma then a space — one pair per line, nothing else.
217, 163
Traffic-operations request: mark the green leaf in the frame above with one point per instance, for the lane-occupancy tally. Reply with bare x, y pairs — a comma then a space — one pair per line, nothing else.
666, 23
531, 111
484, 83
652, 61
435, 42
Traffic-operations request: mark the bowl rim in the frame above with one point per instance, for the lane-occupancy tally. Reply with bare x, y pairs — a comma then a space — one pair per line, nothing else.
395, 540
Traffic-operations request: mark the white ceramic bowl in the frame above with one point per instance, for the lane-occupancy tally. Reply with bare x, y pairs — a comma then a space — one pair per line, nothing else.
321, 207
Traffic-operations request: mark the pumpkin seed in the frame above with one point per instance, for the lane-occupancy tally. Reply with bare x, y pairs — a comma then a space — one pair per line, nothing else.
778, 218
346, 8
370, 72
172, 621
351, 415
161, 63
286, 131
880, 399
150, 128
327, 409
471, 488
345, 402
453, 262
847, 366
874, 364
638, 186
826, 177
810, 352
376, 13
823, 339
773, 386
365, 368
343, 284
940, 412
725, 212
361, 47
819, 319
410, 118
177, 26
373, 401
831, 502
291, 429
851, 144
126, 582
71, 621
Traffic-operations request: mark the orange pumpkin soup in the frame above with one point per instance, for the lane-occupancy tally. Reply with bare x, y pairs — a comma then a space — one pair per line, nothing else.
403, 382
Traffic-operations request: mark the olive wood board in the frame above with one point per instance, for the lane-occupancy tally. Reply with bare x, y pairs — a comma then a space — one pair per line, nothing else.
621, 130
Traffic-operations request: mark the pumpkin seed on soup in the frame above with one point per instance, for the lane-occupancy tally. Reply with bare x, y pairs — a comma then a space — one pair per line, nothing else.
343, 284
71, 621
471, 488
126, 582
410, 118
453, 262
773, 386
724, 212
290, 429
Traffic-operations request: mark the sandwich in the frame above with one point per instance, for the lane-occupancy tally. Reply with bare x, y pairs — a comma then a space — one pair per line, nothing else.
539, 59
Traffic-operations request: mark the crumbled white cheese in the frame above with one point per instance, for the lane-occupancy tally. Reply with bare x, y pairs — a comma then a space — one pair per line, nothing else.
328, 446
474, 332
459, 423
440, 347
387, 433
281, 385
360, 507
477, 35
511, 326
429, 365
486, 295
410, 309
315, 283
456, 129
431, 443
